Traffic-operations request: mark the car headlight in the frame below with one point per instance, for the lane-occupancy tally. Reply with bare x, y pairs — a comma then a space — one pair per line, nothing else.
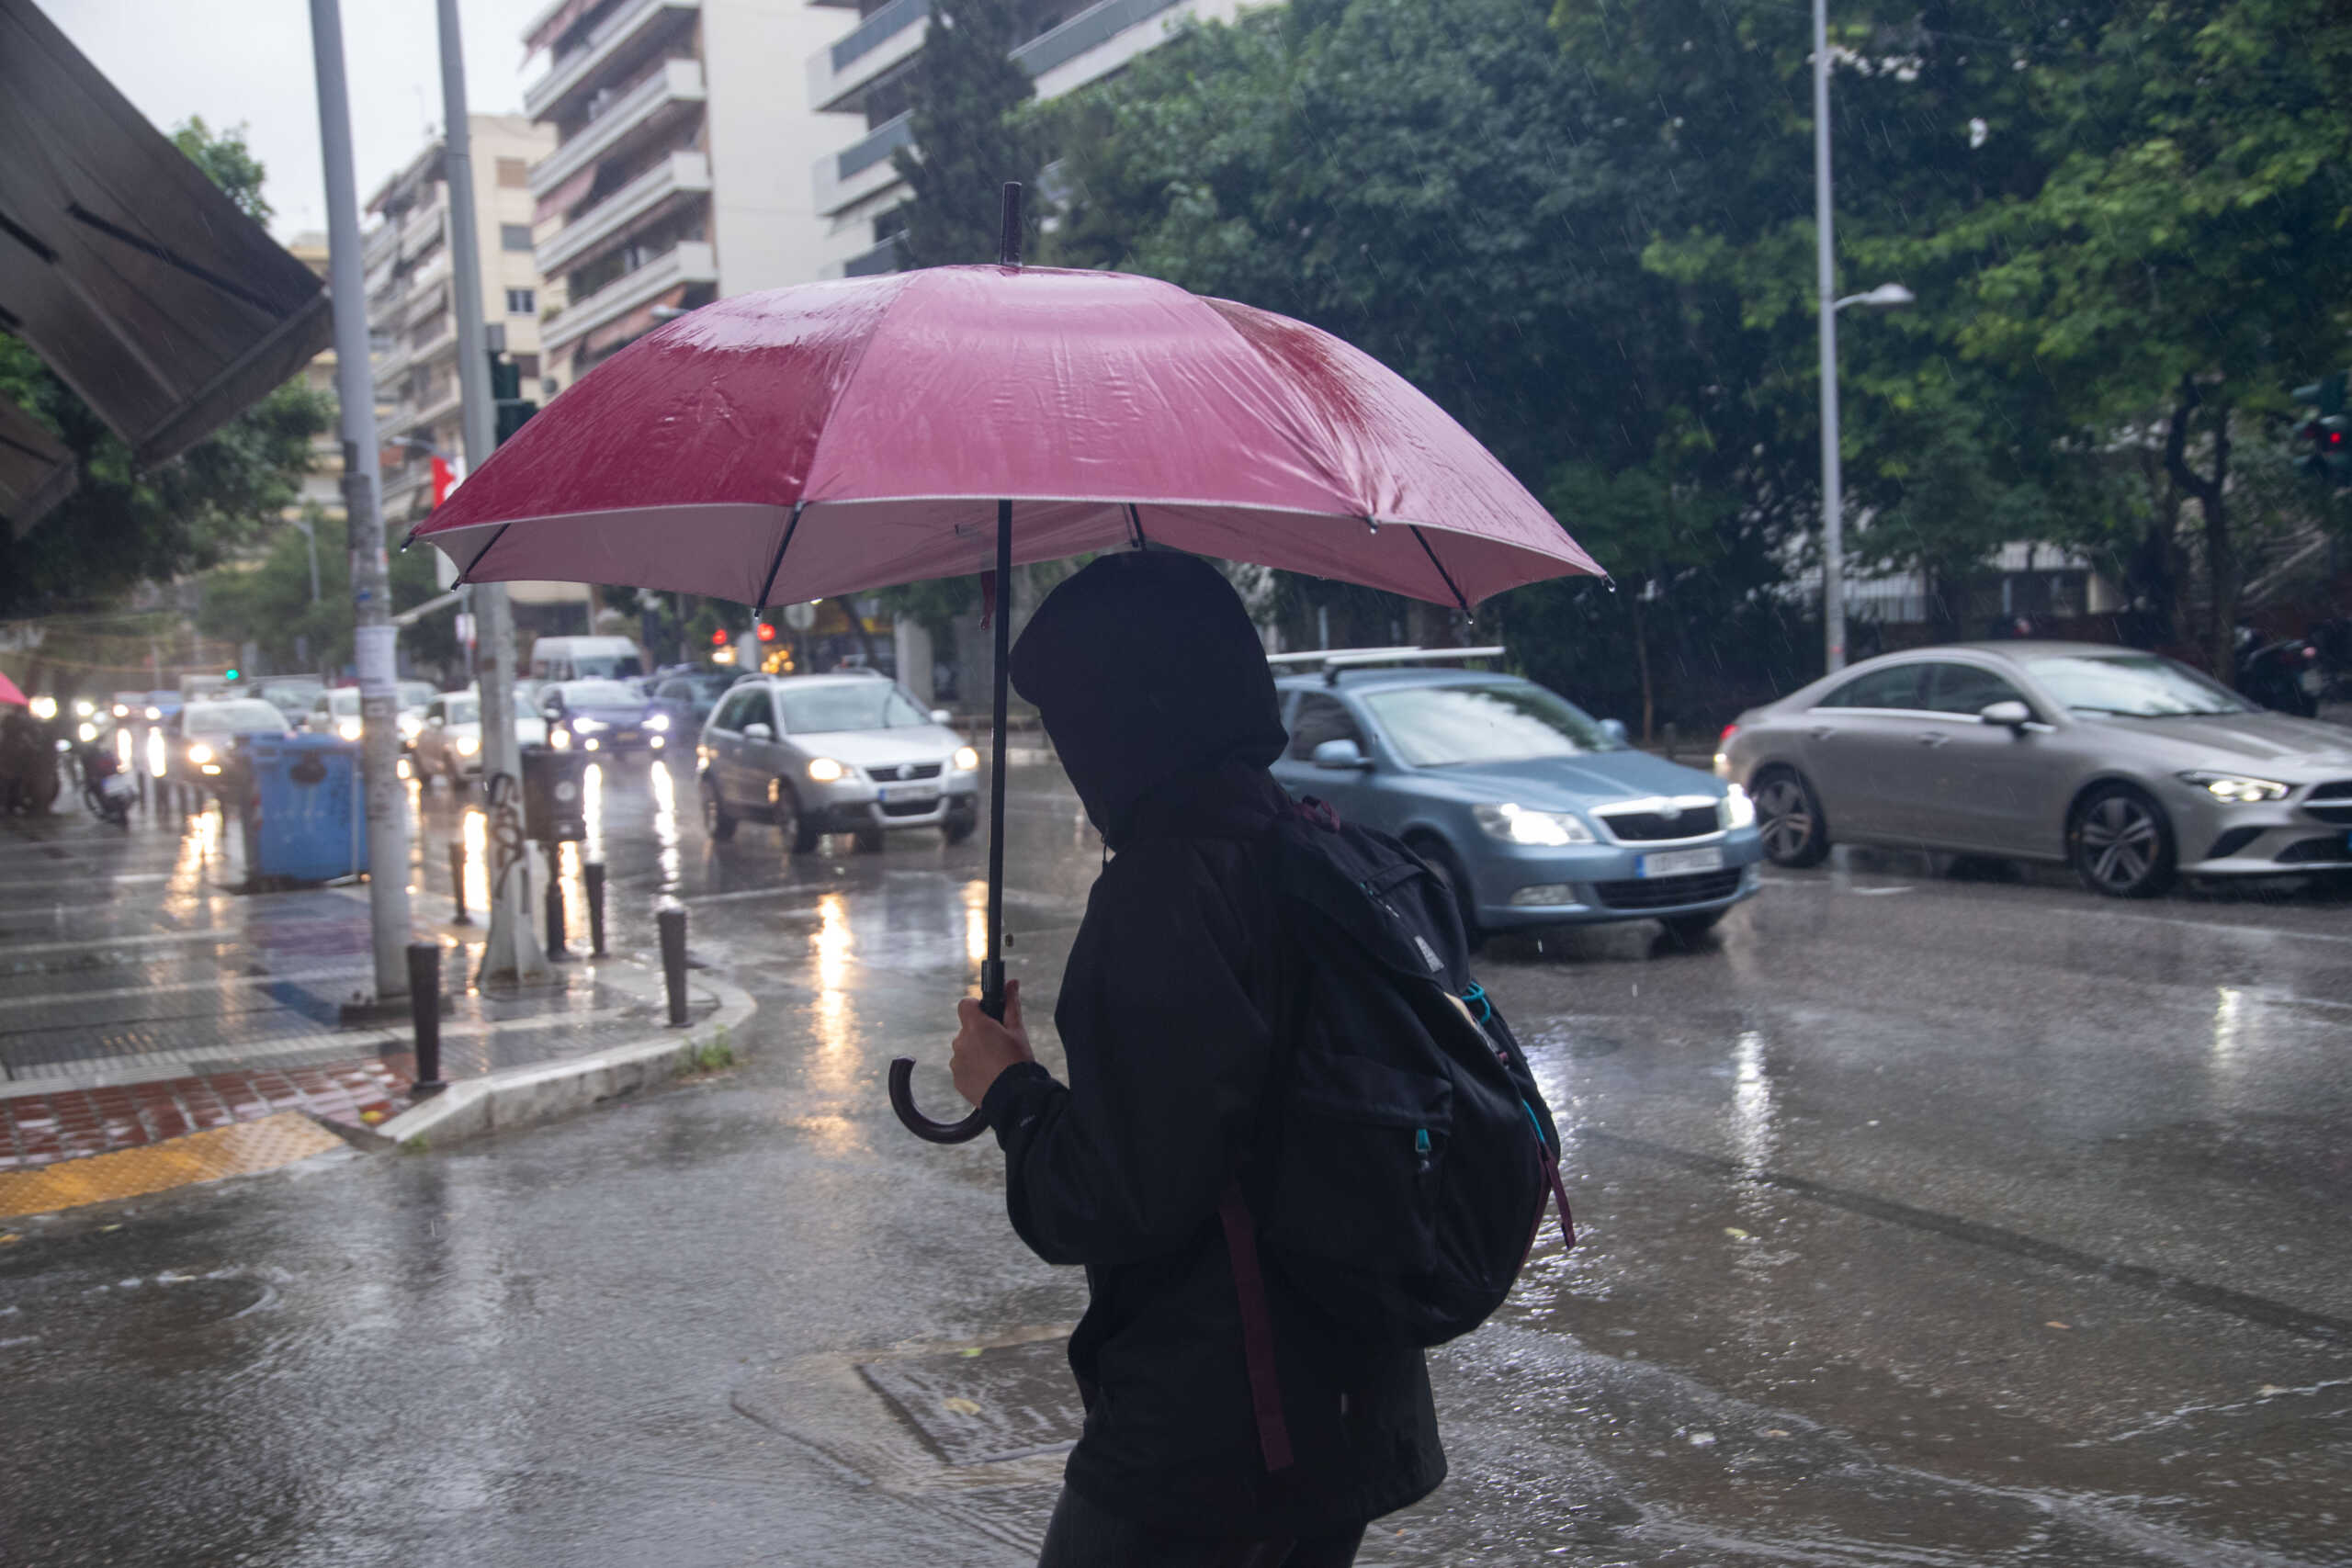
154, 713
1516, 825
88, 732
658, 723
588, 726
84, 707
120, 711
561, 739
469, 744
967, 760
350, 728
199, 753
2237, 788
411, 726
824, 770
1739, 811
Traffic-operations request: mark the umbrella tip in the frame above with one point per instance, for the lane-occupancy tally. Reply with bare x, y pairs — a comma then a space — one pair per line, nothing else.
1008, 248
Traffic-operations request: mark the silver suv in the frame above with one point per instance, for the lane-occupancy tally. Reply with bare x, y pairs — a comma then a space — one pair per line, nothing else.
849, 753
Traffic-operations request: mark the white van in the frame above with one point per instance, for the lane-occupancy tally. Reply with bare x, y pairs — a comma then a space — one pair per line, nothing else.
586, 658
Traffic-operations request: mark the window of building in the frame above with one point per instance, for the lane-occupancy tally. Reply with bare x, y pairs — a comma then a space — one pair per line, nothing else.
526, 366
513, 236
514, 172
522, 302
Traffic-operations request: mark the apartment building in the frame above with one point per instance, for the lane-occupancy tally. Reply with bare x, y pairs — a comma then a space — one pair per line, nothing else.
675, 175
866, 76
411, 303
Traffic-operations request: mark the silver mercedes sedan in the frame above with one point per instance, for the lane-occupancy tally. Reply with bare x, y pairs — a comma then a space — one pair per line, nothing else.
2131, 768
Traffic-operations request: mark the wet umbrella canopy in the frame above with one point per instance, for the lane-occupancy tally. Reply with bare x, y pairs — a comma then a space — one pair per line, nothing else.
835, 437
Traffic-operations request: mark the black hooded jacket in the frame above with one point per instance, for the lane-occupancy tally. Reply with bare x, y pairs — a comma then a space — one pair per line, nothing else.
1156, 695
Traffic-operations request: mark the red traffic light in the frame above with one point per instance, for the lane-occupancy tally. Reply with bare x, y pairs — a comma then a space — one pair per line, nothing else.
718, 638
767, 632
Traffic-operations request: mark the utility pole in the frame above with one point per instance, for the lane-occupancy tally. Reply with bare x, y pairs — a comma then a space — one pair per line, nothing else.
511, 951
1833, 501
370, 571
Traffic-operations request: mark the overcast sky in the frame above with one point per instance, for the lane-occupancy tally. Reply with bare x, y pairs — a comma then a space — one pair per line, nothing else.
248, 61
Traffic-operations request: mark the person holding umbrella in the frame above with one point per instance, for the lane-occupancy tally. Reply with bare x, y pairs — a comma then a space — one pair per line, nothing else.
1153, 687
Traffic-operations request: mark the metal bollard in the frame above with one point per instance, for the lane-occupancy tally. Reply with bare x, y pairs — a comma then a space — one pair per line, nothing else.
425, 1015
673, 921
593, 873
554, 906
457, 884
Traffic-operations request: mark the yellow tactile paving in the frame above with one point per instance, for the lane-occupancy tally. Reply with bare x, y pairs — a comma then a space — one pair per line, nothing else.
209, 1156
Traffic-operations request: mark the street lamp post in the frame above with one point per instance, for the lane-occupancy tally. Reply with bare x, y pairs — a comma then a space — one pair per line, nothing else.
1885, 297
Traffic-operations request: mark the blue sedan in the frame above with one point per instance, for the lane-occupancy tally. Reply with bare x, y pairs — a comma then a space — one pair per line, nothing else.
1534, 811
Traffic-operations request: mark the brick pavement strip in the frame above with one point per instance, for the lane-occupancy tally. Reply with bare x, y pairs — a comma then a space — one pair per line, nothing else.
57, 1124
273, 1141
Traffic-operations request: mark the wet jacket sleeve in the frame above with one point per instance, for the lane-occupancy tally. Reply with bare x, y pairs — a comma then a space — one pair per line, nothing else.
1167, 1050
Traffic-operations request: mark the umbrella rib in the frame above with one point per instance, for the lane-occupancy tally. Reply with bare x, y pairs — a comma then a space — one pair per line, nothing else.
777, 565
1134, 523
459, 580
1444, 573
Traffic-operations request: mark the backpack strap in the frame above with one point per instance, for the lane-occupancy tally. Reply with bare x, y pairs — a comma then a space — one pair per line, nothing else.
1257, 1330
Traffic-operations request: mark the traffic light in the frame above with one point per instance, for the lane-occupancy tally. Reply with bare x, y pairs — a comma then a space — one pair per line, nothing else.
228, 675
718, 638
766, 631
2329, 458
506, 393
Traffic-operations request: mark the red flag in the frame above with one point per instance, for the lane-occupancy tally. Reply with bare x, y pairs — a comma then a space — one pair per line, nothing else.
443, 476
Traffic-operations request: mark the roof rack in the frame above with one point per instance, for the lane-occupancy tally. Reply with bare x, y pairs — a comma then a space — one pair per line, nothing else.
1335, 660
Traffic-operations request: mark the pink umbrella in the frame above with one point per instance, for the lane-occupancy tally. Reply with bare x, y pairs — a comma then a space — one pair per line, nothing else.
835, 437
10, 697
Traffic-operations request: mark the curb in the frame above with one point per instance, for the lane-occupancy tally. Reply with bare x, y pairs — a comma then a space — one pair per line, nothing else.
518, 1097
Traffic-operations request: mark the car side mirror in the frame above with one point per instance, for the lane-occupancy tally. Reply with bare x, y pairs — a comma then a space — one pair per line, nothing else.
2012, 715
758, 732
1340, 754
1615, 729
552, 710
941, 716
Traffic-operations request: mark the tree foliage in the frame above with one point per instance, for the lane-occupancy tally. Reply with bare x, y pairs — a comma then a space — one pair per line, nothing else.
968, 139
125, 524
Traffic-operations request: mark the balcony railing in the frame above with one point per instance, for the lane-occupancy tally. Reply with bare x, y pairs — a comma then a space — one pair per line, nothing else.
611, 217
568, 72
678, 82
875, 145
420, 228
692, 261
886, 23
1091, 29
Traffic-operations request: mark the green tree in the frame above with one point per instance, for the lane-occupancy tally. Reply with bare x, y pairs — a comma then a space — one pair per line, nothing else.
125, 524
266, 599
228, 163
970, 137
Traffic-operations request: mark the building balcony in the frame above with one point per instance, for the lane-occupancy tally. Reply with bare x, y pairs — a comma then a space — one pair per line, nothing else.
692, 261
678, 82
1103, 27
838, 70
863, 167
624, 30
440, 345
376, 248
679, 175
422, 227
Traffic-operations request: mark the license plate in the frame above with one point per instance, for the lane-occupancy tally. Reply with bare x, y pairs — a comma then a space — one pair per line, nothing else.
1680, 862
893, 793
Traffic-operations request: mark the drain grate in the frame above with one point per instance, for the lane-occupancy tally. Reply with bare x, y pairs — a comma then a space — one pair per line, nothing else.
983, 1407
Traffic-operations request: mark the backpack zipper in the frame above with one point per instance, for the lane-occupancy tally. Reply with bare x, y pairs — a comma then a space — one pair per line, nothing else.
1421, 1147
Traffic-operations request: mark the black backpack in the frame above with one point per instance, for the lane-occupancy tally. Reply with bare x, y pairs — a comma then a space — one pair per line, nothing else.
1407, 1153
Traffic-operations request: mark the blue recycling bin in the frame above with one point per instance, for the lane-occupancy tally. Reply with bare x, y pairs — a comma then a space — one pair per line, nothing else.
305, 819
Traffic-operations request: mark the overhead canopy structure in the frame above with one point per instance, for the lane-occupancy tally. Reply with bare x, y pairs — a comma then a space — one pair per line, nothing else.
36, 473
129, 273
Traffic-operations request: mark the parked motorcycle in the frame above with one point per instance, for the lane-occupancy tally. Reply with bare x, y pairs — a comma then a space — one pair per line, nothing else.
2283, 675
106, 789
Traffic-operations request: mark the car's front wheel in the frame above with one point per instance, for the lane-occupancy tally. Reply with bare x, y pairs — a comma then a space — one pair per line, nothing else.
716, 820
797, 833
2120, 843
1789, 820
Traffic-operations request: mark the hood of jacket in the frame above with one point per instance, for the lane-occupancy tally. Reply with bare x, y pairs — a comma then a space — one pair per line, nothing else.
1143, 667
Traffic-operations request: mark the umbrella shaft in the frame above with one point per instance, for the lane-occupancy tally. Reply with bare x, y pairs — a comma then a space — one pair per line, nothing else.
992, 971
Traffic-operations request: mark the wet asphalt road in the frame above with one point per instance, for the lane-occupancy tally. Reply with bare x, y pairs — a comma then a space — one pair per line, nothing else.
1926, 1222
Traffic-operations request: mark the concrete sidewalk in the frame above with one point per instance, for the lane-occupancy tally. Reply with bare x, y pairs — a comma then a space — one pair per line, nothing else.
142, 999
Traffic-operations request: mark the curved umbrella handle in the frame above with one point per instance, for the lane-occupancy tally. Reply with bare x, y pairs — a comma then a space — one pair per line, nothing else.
903, 1101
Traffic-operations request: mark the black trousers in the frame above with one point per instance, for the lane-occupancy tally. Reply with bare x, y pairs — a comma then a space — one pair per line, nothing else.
1084, 1536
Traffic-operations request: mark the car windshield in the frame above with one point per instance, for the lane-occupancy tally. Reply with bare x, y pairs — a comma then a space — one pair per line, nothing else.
2136, 685
242, 717
414, 694
848, 705
1437, 727
344, 701
611, 665
468, 709
599, 693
